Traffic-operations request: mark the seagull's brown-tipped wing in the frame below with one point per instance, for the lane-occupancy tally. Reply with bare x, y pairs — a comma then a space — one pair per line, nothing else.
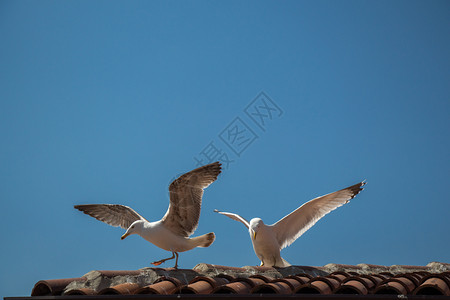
235, 217
186, 199
112, 214
292, 226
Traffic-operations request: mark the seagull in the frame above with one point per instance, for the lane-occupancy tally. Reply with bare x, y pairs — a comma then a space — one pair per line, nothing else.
268, 240
171, 233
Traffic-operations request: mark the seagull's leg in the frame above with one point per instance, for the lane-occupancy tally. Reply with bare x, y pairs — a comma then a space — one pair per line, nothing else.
176, 261
157, 263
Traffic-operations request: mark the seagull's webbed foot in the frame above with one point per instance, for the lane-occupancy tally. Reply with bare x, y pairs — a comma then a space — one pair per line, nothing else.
157, 263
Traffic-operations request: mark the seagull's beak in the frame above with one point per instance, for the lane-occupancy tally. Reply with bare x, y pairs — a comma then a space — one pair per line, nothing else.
125, 235
254, 235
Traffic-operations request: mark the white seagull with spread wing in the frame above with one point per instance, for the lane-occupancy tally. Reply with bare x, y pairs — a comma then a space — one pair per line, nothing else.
172, 232
268, 240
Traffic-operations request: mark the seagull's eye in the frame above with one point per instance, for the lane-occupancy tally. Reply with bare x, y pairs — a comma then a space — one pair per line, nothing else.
132, 226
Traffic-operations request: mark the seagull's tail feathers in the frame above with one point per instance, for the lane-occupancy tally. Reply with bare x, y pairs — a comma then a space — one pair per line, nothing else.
204, 240
286, 264
281, 263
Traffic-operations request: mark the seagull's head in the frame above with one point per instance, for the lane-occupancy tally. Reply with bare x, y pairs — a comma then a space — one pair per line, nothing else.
255, 223
134, 228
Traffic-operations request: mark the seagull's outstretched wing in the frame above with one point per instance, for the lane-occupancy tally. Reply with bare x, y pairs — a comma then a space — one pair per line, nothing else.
292, 226
235, 217
112, 214
186, 199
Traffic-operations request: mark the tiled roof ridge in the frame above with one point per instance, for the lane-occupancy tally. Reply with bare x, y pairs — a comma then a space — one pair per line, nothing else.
366, 269
208, 278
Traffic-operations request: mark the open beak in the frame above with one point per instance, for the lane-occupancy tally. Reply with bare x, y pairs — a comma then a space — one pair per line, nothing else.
125, 235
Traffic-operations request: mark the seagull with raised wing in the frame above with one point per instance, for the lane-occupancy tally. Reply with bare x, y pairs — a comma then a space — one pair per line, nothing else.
173, 231
268, 240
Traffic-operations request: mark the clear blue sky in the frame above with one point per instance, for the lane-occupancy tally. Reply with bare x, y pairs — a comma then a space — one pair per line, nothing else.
107, 101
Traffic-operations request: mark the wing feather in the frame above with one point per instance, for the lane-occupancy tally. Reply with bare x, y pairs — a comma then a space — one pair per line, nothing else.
186, 199
292, 226
112, 214
235, 217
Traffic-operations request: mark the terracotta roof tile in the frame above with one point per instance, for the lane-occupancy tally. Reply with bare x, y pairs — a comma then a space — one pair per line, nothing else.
199, 287
361, 285
275, 287
291, 282
340, 276
202, 285
237, 287
263, 278
314, 287
353, 287
163, 286
251, 281
435, 284
52, 287
362, 279
301, 278
391, 287
126, 288
83, 291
